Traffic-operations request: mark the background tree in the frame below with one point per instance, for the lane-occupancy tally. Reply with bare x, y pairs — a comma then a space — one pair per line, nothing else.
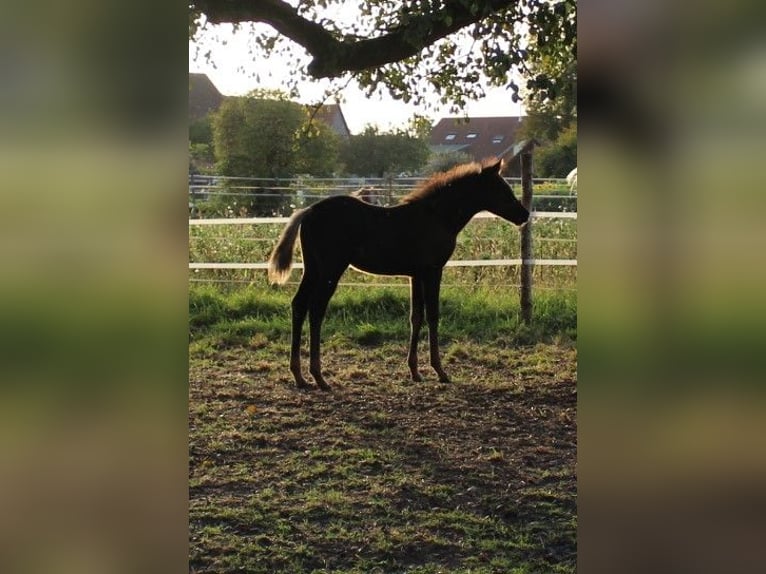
317, 150
201, 131
255, 137
228, 138
269, 138
420, 127
445, 161
552, 116
411, 48
201, 157
264, 136
559, 157
380, 154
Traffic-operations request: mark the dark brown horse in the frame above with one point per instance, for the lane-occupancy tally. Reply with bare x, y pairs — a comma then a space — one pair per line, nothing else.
414, 238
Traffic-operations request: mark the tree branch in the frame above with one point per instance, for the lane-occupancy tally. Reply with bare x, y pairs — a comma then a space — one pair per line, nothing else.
332, 56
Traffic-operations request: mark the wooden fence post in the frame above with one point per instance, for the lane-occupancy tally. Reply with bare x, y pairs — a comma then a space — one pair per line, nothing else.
526, 236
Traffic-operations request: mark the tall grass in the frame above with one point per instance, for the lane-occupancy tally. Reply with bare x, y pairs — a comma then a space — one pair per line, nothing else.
378, 314
481, 239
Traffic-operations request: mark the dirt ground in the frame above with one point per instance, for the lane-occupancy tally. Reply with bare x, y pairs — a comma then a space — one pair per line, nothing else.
383, 474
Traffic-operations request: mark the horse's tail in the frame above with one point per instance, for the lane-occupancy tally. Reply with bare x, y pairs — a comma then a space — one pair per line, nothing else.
281, 260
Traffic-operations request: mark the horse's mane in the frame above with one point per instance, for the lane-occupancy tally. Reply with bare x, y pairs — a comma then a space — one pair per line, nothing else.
442, 179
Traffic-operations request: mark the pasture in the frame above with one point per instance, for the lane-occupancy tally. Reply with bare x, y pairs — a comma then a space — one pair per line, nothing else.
382, 475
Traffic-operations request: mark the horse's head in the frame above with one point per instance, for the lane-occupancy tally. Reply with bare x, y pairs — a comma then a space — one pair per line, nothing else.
498, 196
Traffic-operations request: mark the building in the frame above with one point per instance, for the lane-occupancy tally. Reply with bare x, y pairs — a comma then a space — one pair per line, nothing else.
332, 115
204, 97
480, 138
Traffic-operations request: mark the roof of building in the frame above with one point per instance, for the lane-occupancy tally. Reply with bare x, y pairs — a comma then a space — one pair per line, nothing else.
332, 115
481, 137
204, 97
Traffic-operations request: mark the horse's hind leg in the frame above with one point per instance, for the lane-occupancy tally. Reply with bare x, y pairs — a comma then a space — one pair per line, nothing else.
317, 309
431, 286
300, 307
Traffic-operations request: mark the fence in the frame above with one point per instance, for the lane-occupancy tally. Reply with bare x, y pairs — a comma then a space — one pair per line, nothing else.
248, 260
451, 263
223, 223
229, 197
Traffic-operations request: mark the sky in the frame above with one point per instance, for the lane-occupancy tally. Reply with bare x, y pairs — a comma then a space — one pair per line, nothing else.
235, 73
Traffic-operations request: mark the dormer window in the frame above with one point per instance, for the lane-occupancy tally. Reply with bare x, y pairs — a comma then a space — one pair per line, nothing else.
472, 136
450, 137
497, 139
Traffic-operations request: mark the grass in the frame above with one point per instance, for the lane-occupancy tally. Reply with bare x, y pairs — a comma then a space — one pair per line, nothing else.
375, 315
382, 475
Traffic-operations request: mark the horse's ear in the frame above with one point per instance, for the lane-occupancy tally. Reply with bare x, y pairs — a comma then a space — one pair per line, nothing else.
493, 166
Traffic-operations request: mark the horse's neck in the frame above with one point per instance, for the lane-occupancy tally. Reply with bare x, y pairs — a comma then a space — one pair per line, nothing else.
455, 211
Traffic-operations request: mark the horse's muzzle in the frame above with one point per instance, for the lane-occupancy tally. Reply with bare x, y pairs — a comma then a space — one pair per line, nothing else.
522, 222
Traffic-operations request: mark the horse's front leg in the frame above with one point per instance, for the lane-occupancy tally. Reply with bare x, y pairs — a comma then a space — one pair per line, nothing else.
431, 286
416, 321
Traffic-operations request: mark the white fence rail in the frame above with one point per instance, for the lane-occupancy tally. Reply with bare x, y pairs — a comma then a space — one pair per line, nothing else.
463, 263
302, 191
452, 263
283, 220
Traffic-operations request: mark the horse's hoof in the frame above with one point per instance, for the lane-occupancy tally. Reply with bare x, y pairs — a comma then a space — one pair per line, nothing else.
415, 373
321, 383
303, 386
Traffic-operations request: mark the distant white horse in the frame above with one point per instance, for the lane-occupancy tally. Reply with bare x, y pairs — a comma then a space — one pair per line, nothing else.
572, 180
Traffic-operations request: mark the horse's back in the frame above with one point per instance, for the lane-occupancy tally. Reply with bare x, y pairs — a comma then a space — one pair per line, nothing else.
338, 219
399, 240
342, 210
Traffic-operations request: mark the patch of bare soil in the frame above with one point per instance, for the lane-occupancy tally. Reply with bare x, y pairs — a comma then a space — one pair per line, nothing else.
384, 474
